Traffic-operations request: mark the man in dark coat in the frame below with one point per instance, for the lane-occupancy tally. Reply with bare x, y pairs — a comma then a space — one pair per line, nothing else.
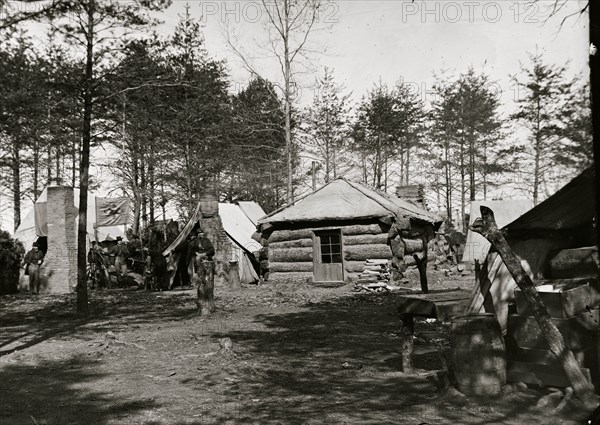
33, 260
199, 247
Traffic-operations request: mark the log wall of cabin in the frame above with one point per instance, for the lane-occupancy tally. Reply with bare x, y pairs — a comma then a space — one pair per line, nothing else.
290, 251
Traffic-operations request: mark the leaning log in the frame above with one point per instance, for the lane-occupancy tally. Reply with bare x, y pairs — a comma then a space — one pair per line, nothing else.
486, 226
304, 266
289, 255
364, 252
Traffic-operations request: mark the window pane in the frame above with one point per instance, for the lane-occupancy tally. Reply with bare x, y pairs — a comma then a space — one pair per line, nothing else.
335, 249
334, 239
326, 258
325, 249
336, 258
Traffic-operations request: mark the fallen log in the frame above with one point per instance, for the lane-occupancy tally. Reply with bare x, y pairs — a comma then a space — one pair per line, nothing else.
486, 226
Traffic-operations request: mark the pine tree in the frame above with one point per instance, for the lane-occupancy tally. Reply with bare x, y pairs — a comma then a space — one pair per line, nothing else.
541, 96
326, 122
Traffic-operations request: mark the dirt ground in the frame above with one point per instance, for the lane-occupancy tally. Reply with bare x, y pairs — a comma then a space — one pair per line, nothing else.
295, 355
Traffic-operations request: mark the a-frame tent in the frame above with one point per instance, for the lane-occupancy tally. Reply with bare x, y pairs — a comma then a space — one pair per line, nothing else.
238, 228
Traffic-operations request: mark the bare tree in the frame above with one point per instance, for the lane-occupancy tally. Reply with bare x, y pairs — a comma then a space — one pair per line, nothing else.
289, 24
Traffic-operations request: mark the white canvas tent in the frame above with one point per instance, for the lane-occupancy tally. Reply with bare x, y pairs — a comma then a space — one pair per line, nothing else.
477, 247
239, 229
35, 223
252, 210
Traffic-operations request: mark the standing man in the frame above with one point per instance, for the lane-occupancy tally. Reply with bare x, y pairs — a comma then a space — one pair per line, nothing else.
200, 254
33, 261
121, 253
198, 246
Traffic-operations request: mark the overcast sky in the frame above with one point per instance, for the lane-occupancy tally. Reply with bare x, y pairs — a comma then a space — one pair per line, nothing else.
395, 39
367, 41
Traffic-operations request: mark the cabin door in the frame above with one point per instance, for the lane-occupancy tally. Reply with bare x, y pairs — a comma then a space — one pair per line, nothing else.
327, 259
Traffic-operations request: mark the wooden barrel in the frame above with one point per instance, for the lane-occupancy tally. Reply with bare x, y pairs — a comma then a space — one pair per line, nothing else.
478, 354
209, 205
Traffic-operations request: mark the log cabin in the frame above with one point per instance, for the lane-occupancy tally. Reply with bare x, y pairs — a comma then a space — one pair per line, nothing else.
326, 236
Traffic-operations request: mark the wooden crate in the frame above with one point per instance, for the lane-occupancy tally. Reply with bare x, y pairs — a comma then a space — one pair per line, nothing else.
579, 331
568, 302
539, 374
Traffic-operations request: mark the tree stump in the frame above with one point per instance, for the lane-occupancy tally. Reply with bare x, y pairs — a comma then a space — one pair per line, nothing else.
486, 226
204, 277
407, 347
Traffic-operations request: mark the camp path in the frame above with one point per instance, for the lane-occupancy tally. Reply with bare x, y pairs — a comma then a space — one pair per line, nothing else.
284, 355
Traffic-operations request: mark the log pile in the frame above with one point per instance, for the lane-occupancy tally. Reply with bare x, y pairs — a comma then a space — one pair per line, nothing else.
375, 276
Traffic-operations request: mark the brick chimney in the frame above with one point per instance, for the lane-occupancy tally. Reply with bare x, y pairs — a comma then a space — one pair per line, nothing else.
59, 270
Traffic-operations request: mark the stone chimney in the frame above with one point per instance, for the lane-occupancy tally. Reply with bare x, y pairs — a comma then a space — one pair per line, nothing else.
59, 270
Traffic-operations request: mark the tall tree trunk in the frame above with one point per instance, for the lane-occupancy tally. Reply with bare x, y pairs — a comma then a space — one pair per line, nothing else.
151, 183
385, 175
327, 161
537, 157
75, 153
484, 170
58, 180
462, 184
448, 178
288, 101
137, 207
36, 168
143, 191
471, 169
82, 295
16, 181
595, 102
334, 162
401, 156
407, 165
188, 177
49, 165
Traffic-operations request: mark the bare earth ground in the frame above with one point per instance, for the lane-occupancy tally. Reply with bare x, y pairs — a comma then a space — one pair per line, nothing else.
300, 356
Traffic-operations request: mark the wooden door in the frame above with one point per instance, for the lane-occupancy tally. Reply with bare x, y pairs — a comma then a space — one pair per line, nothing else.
327, 257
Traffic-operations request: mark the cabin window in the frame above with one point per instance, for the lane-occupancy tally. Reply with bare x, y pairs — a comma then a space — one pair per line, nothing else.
331, 247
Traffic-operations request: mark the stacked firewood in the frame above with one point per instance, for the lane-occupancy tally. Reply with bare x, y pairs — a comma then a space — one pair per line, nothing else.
374, 277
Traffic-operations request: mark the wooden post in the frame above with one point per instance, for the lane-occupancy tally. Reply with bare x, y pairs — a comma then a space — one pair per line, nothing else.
205, 278
407, 328
486, 226
422, 266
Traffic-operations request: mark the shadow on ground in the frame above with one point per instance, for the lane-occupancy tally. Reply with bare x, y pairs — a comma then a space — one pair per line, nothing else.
338, 361
25, 321
61, 392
